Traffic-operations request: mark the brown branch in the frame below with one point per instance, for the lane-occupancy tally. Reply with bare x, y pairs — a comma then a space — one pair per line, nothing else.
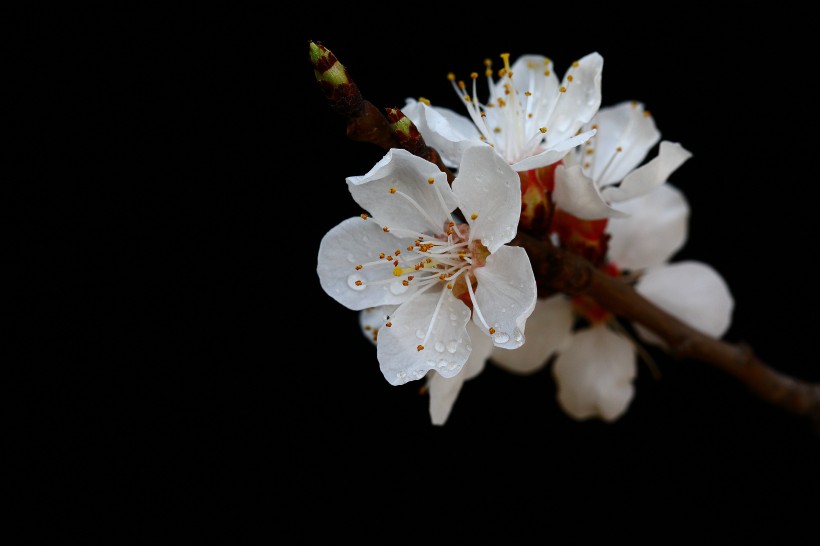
559, 271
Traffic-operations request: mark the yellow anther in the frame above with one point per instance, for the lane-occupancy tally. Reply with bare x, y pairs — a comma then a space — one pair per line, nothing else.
527, 93
569, 78
492, 330
386, 229
381, 255
529, 116
410, 247
563, 89
358, 267
431, 180
506, 57
451, 76
420, 347
405, 282
587, 165
396, 263
488, 72
424, 100
497, 130
542, 129
462, 85
488, 62
501, 102
442, 277
388, 324
468, 98
397, 252
619, 149
451, 224
428, 260
392, 190
450, 286
410, 277
473, 216
646, 113
358, 283
590, 151
547, 60
501, 72
575, 64
547, 72
364, 216
474, 75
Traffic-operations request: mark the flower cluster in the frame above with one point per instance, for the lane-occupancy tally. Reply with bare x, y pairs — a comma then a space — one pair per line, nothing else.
433, 268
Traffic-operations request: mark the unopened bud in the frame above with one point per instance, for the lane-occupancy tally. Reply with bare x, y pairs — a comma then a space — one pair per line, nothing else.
340, 90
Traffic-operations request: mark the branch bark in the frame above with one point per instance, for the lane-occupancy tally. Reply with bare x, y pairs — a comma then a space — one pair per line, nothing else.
559, 271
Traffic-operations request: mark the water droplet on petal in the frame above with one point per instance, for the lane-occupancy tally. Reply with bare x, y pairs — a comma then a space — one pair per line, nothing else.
351, 258
439, 346
453, 316
452, 346
420, 334
351, 282
501, 338
517, 335
398, 288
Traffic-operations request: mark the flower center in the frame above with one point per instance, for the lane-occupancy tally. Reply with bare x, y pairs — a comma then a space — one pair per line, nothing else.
514, 122
443, 258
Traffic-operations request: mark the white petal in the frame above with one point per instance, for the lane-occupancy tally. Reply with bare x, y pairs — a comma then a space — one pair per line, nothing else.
448, 132
622, 126
446, 348
408, 174
655, 229
555, 152
648, 177
550, 329
691, 291
506, 295
372, 320
534, 73
581, 100
356, 242
578, 195
488, 187
444, 391
594, 374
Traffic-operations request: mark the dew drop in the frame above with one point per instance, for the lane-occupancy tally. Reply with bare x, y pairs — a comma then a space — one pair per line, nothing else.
351, 282
452, 346
351, 258
439, 346
398, 288
517, 335
501, 337
420, 334
453, 316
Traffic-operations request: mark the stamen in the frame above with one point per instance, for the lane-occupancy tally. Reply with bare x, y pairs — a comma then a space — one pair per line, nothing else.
435, 315
475, 303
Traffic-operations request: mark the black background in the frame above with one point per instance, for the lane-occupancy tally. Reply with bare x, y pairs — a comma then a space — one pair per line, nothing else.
213, 383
